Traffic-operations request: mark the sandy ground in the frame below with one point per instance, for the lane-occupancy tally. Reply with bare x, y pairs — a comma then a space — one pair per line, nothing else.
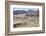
26, 21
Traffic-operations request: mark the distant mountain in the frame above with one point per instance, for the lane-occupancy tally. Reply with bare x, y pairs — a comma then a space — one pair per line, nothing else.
29, 12
23, 11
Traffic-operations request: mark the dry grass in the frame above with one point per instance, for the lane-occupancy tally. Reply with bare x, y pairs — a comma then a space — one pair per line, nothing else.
26, 21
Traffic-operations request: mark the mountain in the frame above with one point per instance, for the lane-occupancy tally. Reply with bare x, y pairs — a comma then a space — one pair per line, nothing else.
27, 12
23, 11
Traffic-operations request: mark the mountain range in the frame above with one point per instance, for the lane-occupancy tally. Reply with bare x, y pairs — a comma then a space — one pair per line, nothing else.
29, 11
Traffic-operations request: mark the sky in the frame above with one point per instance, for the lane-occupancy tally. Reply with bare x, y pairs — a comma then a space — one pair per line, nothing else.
35, 9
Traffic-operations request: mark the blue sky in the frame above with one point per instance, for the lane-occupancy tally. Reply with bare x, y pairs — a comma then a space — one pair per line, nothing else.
14, 9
